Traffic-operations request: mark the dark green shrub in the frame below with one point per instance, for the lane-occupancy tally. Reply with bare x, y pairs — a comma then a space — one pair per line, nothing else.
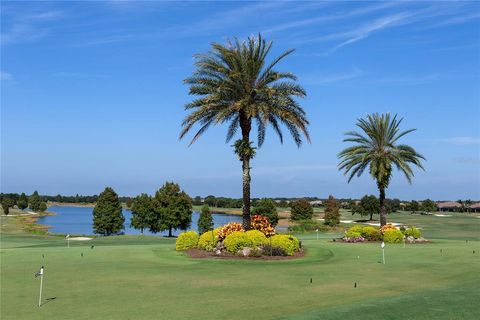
301, 210
332, 212
273, 251
307, 226
267, 208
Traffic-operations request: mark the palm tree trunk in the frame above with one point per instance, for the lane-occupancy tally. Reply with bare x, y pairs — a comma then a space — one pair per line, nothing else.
246, 125
383, 213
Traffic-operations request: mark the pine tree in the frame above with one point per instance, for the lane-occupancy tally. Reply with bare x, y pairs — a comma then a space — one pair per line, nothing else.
172, 209
332, 212
22, 202
107, 214
142, 208
34, 202
205, 221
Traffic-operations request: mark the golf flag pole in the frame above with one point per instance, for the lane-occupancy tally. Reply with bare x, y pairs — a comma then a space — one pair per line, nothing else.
68, 240
383, 252
40, 274
317, 233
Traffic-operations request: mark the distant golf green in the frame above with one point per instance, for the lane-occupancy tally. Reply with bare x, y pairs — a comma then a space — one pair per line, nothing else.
135, 277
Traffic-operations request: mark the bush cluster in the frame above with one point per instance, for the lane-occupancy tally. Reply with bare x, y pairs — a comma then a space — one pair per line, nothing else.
371, 233
256, 238
287, 243
187, 240
307, 226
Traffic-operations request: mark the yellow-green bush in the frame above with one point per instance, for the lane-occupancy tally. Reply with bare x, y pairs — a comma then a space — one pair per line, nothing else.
186, 240
235, 241
285, 242
393, 236
256, 238
371, 233
352, 234
413, 232
356, 228
208, 241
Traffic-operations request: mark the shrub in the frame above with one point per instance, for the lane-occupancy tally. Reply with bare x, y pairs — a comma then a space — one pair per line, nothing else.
352, 234
207, 242
356, 228
284, 242
256, 238
267, 208
388, 226
307, 226
235, 241
205, 221
332, 212
228, 229
371, 233
393, 236
273, 251
301, 210
413, 232
262, 224
187, 240
354, 239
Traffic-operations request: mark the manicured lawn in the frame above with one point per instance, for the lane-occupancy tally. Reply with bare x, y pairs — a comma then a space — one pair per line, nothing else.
132, 277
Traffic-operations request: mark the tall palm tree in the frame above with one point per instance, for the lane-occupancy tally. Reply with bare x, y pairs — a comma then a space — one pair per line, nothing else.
236, 85
377, 149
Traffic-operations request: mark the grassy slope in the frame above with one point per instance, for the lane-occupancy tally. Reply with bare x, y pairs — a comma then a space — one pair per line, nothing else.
132, 277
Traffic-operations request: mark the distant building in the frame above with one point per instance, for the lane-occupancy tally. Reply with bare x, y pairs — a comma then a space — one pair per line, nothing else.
316, 203
474, 207
448, 206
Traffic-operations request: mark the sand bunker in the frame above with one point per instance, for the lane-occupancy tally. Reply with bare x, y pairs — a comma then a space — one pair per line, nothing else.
443, 215
80, 238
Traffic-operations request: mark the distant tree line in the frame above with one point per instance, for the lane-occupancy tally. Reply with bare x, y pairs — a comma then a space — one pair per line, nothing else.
22, 201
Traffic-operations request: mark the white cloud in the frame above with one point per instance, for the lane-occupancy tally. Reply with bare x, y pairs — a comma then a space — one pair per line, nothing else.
5, 76
27, 27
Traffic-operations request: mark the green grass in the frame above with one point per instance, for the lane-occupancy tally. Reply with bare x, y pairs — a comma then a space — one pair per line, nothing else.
133, 277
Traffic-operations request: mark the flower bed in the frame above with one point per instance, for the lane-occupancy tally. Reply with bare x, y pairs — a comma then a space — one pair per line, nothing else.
231, 240
388, 233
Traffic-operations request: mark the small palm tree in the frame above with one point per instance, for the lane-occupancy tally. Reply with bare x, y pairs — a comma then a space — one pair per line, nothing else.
377, 149
236, 85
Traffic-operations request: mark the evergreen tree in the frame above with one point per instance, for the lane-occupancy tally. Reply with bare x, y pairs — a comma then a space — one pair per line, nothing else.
332, 212
34, 202
142, 208
267, 208
107, 214
7, 203
429, 206
368, 206
129, 202
173, 209
301, 210
22, 202
205, 221
43, 206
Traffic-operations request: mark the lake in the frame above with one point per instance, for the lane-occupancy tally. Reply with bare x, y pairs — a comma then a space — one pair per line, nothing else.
78, 220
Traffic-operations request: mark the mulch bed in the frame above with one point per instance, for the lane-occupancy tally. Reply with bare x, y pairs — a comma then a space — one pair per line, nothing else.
200, 254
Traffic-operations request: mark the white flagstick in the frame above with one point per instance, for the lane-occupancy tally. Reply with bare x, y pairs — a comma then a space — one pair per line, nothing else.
317, 233
41, 286
383, 252
68, 240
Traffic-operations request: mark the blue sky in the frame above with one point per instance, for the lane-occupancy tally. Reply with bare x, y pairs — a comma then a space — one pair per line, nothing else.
92, 94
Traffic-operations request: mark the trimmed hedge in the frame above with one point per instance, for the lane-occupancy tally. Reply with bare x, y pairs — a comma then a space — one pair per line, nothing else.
187, 240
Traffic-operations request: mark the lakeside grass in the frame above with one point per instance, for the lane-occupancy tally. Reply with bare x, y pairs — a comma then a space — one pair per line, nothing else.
133, 277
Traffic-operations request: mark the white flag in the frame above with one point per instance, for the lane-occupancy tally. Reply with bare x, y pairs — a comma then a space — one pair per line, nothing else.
39, 273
